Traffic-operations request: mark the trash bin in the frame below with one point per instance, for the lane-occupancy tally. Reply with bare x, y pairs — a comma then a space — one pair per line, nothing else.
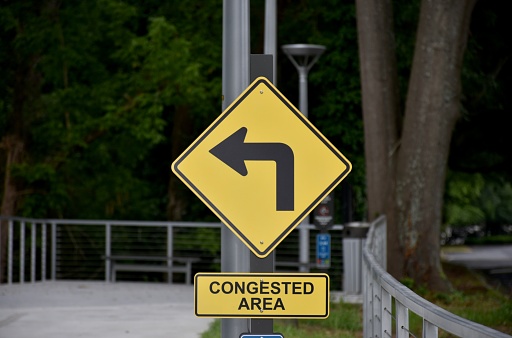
354, 237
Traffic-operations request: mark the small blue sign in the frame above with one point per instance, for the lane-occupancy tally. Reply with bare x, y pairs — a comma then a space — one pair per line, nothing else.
323, 251
252, 335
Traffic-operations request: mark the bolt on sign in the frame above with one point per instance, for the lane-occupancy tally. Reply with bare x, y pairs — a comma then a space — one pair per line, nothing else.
261, 295
261, 167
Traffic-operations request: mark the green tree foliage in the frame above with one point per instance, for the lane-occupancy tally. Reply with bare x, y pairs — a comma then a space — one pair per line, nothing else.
478, 186
111, 78
478, 199
462, 198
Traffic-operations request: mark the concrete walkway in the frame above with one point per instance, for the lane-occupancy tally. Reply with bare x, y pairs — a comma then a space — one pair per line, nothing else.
97, 310
480, 257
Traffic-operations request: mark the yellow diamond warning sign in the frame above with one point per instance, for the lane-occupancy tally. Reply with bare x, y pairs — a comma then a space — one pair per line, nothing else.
261, 167
267, 295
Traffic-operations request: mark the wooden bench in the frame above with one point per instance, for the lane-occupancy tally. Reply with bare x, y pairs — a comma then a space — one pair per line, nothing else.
119, 263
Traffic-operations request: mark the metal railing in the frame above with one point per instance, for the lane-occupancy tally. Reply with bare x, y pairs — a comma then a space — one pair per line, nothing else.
76, 249
386, 300
57, 249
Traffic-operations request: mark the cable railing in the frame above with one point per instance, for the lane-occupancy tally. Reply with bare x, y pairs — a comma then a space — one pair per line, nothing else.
59, 249
386, 301
40, 250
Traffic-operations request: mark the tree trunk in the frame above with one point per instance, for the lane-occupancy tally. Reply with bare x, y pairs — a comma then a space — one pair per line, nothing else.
26, 82
181, 134
13, 148
432, 108
406, 177
25, 92
379, 98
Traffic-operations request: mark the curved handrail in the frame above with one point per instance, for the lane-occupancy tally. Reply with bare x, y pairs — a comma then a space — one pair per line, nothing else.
431, 313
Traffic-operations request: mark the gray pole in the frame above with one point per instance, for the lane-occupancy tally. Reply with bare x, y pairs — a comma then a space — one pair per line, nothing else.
303, 226
270, 43
303, 91
235, 78
306, 56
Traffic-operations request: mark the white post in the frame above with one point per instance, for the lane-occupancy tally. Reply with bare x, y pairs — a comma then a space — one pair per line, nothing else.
43, 251
33, 252
402, 320
107, 251
386, 314
54, 251
170, 254
429, 329
377, 306
10, 252
22, 252
367, 306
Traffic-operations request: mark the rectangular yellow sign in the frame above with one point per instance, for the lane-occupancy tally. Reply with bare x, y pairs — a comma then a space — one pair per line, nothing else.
267, 295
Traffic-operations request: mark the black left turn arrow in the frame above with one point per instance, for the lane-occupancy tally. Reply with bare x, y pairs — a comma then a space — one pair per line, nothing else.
234, 151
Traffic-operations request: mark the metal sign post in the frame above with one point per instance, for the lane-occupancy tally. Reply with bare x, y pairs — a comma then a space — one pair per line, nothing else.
235, 78
261, 167
270, 43
262, 65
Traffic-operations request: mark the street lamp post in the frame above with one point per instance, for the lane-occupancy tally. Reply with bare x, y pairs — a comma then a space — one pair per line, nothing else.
303, 57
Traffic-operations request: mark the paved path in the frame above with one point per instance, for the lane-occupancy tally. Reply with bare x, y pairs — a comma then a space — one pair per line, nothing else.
97, 310
480, 257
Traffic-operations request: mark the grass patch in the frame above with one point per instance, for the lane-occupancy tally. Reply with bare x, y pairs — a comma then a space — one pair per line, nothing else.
213, 331
344, 321
472, 299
